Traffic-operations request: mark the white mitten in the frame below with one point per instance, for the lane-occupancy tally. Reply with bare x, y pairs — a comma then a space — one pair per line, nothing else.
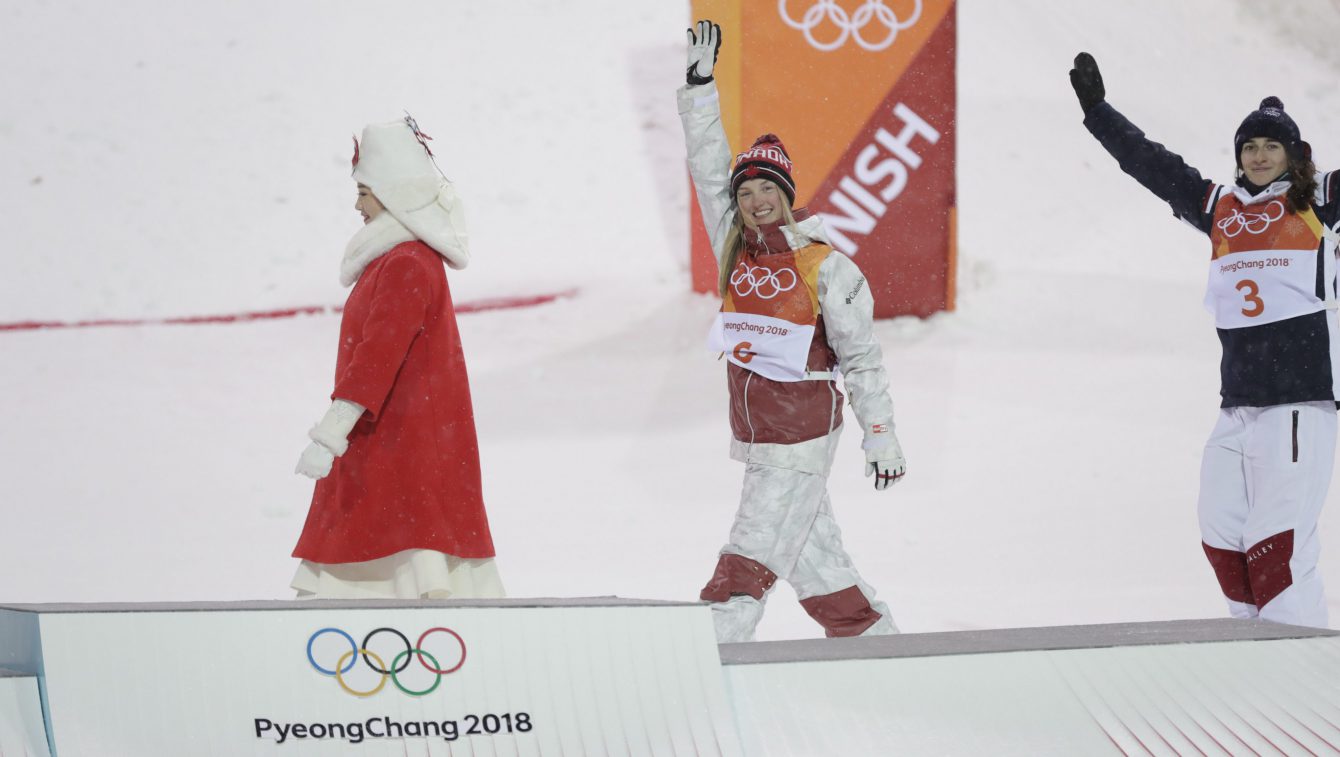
703, 49
330, 439
315, 461
886, 463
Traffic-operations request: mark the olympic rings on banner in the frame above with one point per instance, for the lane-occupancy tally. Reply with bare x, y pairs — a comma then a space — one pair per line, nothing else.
434, 669
339, 677
1252, 223
312, 660
394, 667
849, 26
377, 665
764, 285
436, 680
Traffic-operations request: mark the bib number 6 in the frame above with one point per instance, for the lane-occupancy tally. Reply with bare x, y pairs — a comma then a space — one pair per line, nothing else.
1251, 293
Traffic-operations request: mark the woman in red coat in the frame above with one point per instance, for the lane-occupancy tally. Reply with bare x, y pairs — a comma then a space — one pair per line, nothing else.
398, 510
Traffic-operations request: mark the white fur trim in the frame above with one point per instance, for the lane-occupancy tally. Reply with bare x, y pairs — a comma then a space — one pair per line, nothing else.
375, 239
332, 431
337, 445
440, 223
397, 167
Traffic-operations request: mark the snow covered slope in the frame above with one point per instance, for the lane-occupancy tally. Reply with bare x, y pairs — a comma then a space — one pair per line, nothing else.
166, 159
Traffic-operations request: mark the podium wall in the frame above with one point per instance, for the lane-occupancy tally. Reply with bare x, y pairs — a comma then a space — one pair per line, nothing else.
1209, 687
608, 676
21, 728
597, 676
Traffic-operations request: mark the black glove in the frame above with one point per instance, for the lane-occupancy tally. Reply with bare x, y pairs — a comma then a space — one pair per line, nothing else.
1087, 81
706, 42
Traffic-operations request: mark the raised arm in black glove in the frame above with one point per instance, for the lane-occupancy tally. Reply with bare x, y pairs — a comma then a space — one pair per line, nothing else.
1087, 81
703, 49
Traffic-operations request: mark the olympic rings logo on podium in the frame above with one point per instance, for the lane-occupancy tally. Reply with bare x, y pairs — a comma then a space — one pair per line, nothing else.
849, 25
398, 665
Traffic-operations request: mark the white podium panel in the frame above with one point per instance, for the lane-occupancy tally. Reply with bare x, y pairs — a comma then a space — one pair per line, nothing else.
1189, 687
508, 677
627, 677
21, 729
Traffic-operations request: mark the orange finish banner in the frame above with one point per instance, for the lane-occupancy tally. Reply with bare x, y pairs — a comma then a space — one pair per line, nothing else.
862, 93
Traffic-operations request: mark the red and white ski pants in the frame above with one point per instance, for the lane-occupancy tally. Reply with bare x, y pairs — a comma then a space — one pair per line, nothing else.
785, 528
1263, 482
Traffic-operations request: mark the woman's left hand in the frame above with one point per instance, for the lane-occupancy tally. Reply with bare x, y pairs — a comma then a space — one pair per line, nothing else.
886, 472
315, 462
887, 465
703, 48
1088, 82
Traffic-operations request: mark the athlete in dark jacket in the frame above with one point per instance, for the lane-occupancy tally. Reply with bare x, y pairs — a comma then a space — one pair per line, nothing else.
1272, 290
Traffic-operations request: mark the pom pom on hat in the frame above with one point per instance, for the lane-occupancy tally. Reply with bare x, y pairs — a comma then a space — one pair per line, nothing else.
765, 159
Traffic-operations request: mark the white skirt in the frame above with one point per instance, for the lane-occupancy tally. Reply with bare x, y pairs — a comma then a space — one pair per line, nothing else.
411, 574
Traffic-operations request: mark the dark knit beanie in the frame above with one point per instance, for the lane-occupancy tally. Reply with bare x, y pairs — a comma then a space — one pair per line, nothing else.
765, 159
1270, 121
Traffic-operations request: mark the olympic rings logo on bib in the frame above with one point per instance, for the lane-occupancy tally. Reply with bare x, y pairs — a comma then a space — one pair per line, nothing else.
399, 664
1252, 223
849, 25
761, 282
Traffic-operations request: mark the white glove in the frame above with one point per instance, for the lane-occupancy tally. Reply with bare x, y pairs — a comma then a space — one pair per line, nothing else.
315, 461
886, 464
330, 439
703, 49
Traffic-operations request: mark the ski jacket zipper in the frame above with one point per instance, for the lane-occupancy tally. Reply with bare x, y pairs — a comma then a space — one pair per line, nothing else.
748, 420
1295, 436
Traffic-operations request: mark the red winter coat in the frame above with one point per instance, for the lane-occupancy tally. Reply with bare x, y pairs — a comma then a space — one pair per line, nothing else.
410, 478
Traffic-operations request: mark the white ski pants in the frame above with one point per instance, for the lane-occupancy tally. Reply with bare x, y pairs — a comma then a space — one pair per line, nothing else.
1263, 482
785, 526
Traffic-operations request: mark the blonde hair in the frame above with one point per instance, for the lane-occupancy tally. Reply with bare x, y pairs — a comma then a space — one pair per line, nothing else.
730, 251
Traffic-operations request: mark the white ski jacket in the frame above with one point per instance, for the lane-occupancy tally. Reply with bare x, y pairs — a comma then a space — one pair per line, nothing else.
758, 404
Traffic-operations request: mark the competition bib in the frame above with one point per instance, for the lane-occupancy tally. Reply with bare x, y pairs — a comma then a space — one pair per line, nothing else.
1265, 263
769, 313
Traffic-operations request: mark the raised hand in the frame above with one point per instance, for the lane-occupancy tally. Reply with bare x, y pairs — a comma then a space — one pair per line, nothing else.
1087, 81
703, 48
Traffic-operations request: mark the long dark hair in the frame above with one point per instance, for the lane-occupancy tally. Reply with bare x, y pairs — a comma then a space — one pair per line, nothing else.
1303, 183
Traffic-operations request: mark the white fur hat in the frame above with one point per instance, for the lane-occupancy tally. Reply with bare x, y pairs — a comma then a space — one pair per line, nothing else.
393, 160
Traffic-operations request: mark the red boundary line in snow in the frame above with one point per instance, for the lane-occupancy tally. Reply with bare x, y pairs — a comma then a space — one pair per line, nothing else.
476, 306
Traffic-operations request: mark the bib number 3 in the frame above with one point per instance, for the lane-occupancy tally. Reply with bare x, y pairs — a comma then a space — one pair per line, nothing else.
1251, 293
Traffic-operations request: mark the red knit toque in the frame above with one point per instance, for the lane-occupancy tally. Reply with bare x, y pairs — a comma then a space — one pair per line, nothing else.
765, 159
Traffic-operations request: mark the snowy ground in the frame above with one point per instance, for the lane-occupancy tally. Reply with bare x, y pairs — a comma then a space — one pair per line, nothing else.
165, 160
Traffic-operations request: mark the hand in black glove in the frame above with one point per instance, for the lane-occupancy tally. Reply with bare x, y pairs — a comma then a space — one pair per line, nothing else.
1087, 81
703, 49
